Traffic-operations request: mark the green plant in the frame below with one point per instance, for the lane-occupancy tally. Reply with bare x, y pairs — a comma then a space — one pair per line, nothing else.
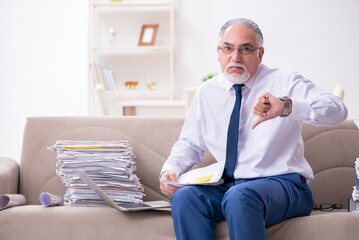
209, 76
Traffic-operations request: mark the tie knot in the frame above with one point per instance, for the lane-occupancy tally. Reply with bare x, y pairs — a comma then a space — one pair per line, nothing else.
238, 87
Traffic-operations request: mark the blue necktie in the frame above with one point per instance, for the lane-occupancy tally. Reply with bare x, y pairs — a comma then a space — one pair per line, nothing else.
232, 136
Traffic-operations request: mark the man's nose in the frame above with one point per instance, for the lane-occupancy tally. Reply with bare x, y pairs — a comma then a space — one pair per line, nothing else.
236, 56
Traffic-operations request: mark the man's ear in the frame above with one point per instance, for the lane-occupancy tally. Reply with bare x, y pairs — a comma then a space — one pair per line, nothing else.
218, 52
260, 54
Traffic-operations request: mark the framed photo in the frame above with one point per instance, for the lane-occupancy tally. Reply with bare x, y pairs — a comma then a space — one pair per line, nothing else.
148, 35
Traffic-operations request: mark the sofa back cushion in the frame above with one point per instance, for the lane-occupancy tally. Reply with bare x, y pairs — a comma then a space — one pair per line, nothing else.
330, 151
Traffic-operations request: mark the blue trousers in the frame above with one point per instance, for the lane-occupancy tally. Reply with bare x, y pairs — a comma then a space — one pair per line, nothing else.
248, 205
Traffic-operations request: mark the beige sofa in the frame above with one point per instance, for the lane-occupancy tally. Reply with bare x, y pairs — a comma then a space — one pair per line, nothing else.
330, 151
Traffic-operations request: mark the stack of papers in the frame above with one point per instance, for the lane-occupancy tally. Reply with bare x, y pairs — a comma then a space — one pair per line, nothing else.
109, 164
355, 194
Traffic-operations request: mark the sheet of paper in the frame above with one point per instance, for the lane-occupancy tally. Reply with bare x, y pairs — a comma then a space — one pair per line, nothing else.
96, 189
209, 175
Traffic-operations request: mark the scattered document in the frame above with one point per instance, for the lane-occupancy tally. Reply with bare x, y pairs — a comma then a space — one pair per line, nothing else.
355, 194
353, 206
209, 175
48, 199
353, 201
11, 200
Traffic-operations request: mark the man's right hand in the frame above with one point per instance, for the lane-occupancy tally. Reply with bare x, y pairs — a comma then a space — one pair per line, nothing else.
166, 188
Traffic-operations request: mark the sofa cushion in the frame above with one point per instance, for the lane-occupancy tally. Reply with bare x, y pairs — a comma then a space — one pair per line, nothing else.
107, 223
331, 152
335, 225
41, 223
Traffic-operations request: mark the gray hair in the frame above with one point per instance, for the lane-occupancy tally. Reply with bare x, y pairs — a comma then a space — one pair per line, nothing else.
245, 23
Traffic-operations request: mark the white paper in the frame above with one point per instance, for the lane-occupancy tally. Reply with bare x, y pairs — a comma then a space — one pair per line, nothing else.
188, 178
147, 35
356, 123
353, 206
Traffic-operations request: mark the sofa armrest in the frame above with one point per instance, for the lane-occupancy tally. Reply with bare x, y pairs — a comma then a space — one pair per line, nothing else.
9, 175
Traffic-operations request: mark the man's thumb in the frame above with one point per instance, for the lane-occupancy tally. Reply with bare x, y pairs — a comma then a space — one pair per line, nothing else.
173, 177
257, 121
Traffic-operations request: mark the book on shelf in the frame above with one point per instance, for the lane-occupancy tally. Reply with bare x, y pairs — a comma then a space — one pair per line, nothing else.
99, 77
111, 79
105, 77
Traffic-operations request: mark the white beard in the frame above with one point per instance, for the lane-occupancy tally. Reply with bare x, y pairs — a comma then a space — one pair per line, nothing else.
237, 78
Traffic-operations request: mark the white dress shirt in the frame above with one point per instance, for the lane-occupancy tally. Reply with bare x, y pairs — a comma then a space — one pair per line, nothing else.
275, 146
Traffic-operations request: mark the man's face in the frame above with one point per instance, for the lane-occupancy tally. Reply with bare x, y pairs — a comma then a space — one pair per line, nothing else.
239, 37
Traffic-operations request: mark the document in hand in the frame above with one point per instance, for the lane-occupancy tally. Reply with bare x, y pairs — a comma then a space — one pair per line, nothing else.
209, 175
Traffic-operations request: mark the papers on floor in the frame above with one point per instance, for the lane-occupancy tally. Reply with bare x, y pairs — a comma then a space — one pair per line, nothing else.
209, 175
109, 164
11, 200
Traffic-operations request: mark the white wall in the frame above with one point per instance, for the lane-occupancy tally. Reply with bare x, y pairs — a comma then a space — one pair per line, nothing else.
43, 51
43, 64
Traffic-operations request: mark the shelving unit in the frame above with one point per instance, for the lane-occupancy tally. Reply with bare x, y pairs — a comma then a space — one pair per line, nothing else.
128, 61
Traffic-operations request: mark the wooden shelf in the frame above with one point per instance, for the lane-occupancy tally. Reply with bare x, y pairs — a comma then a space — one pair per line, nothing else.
131, 49
152, 108
122, 62
138, 95
132, 4
153, 103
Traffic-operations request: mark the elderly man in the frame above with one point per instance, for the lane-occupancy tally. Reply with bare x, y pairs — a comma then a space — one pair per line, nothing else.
249, 117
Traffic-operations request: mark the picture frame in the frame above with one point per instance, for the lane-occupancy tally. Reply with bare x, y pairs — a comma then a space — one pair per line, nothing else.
148, 35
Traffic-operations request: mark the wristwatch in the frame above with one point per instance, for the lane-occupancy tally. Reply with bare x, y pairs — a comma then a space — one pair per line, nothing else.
287, 106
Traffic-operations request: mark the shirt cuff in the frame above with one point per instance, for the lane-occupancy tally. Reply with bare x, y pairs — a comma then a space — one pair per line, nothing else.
299, 110
172, 168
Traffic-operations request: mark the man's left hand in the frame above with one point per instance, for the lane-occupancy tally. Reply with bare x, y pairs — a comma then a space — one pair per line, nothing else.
267, 107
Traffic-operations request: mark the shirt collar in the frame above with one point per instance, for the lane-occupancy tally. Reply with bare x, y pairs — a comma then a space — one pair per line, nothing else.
249, 83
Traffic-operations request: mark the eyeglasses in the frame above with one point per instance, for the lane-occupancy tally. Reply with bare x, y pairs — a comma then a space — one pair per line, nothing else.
327, 207
242, 50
